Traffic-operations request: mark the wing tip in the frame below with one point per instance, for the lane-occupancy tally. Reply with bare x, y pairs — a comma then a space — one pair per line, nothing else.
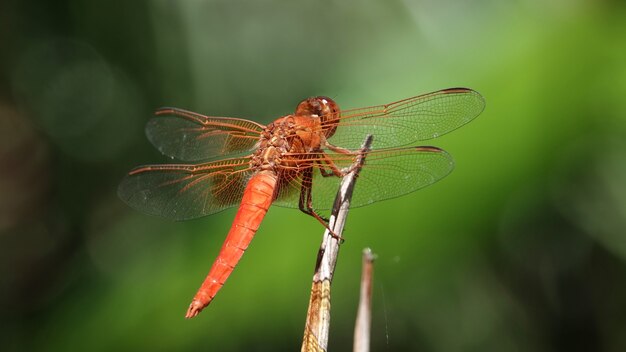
479, 105
440, 152
457, 90
428, 148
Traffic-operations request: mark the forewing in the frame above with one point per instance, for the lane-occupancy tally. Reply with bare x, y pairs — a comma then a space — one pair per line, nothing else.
386, 174
189, 136
182, 192
407, 121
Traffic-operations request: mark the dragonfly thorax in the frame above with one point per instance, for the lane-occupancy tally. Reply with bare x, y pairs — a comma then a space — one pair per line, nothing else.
286, 138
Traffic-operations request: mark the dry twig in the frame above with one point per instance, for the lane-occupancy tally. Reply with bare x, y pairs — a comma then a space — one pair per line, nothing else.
364, 314
318, 315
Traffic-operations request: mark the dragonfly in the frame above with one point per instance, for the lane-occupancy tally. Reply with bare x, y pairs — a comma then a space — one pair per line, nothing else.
296, 161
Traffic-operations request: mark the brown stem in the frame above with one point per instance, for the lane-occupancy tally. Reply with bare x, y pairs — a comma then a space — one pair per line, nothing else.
318, 314
364, 314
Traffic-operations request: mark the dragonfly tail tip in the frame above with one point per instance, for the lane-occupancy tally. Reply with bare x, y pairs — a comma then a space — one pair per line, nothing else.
194, 309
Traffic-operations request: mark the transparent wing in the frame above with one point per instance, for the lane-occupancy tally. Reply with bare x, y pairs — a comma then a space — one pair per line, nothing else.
406, 121
387, 173
189, 136
182, 192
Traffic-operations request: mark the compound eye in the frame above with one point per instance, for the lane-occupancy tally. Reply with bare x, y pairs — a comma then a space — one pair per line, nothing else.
329, 116
324, 108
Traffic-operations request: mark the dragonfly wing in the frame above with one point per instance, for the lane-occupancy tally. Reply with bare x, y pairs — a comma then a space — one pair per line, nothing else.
182, 192
407, 121
387, 173
393, 173
189, 136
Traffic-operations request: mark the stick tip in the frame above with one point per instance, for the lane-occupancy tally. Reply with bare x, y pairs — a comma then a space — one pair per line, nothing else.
368, 255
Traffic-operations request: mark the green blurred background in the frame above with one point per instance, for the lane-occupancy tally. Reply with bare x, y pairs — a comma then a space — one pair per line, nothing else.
521, 248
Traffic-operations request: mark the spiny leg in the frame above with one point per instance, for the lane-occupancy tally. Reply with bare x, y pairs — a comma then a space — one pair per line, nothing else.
330, 168
337, 149
306, 202
327, 167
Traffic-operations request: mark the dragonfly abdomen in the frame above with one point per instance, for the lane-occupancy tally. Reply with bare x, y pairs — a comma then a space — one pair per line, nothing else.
257, 198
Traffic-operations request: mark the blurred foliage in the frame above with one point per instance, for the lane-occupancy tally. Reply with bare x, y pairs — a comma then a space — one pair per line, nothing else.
522, 248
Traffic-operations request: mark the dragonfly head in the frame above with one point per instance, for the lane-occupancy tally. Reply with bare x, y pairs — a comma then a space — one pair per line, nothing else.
324, 108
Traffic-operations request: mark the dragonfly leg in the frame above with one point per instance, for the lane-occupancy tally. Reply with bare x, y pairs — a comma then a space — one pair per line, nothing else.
341, 172
337, 149
331, 169
324, 170
306, 203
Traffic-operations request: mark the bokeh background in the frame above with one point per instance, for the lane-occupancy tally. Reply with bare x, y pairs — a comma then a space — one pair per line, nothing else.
521, 248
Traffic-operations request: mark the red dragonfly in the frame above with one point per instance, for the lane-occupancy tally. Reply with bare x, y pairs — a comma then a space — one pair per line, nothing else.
296, 161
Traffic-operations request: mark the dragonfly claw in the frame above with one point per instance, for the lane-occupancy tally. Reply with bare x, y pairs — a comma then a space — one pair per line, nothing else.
336, 236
